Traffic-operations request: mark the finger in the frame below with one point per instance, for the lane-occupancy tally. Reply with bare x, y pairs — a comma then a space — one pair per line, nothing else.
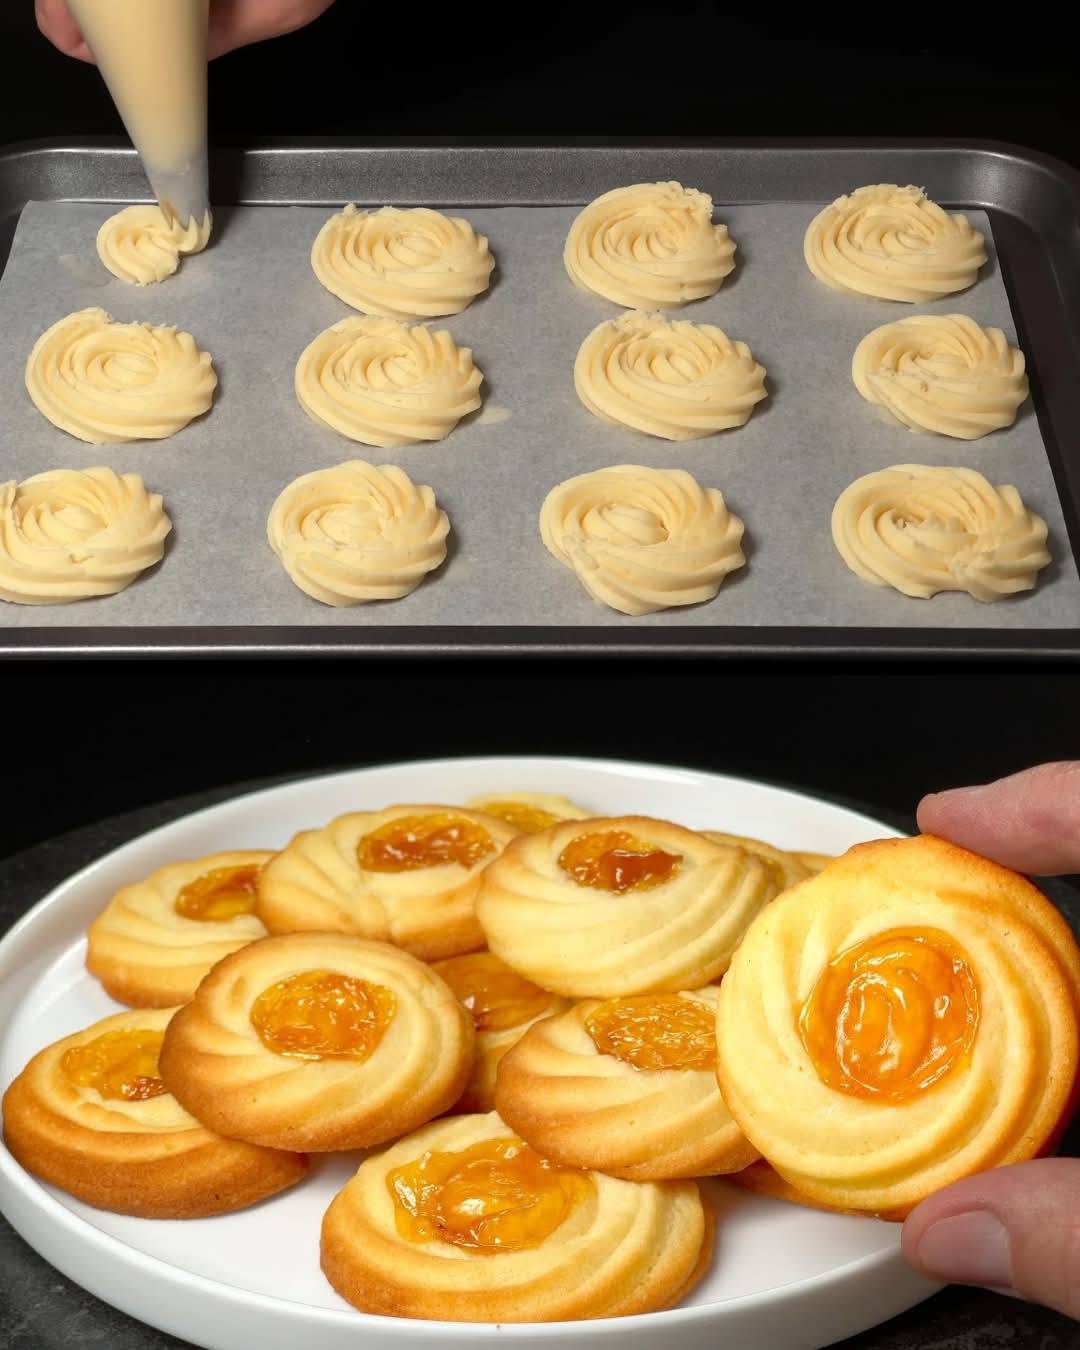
55, 21
237, 23
1029, 821
1014, 1228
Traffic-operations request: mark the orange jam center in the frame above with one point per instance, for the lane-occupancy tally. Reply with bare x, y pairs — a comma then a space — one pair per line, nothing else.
617, 861
497, 996
524, 818
320, 1014
412, 842
121, 1065
655, 1031
219, 895
495, 1196
891, 1015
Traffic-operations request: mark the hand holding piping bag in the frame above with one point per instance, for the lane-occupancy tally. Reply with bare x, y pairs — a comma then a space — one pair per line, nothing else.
233, 23
1014, 1228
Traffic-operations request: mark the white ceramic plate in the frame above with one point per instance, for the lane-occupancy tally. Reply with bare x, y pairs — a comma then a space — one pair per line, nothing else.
783, 1277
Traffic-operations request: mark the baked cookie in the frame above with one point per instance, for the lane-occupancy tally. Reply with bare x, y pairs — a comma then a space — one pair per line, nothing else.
407, 875
157, 938
462, 1222
761, 1179
813, 862
619, 905
787, 868
626, 1086
923, 1001
529, 812
503, 1005
91, 1115
318, 1041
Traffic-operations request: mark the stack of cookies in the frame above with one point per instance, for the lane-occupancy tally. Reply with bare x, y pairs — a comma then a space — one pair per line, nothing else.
545, 1026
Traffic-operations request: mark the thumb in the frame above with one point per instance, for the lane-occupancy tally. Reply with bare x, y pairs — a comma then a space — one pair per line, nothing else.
1029, 821
1013, 1228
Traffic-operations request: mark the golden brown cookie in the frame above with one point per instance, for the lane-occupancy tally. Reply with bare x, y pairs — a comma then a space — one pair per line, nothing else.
626, 1086
407, 875
91, 1115
503, 1006
620, 905
463, 1222
922, 1000
813, 862
529, 812
787, 868
319, 1041
157, 938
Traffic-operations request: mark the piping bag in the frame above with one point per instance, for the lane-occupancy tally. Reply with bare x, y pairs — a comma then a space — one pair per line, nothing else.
152, 55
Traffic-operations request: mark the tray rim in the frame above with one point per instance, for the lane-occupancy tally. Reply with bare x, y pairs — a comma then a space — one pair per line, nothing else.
22, 1197
718, 641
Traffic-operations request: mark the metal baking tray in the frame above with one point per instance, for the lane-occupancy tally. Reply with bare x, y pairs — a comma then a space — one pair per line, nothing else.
1033, 203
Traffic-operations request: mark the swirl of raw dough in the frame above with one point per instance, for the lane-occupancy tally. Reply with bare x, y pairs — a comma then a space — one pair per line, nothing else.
107, 382
667, 377
387, 384
943, 373
142, 245
70, 534
356, 532
642, 539
922, 530
402, 264
649, 245
893, 243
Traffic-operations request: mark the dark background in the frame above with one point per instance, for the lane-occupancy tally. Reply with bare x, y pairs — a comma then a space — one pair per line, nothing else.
85, 741
623, 69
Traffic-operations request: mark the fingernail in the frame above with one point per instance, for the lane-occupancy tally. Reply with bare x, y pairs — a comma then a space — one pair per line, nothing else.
971, 1248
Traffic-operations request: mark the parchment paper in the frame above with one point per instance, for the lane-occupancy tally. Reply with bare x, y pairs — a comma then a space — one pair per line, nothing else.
254, 303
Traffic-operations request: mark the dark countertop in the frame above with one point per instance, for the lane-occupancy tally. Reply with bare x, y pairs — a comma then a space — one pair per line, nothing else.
42, 1310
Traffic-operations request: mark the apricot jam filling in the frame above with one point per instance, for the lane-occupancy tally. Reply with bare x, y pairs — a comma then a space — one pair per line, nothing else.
892, 1015
497, 996
219, 895
495, 1196
121, 1065
411, 842
617, 861
524, 818
320, 1014
655, 1031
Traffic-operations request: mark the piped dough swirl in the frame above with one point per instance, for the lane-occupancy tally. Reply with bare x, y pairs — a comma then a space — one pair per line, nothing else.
893, 243
71, 534
356, 533
923, 530
649, 246
1001, 1101
141, 245
942, 373
107, 382
383, 383
640, 539
669, 378
402, 264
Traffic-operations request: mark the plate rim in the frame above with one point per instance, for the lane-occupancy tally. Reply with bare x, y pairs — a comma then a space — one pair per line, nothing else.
137, 1261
